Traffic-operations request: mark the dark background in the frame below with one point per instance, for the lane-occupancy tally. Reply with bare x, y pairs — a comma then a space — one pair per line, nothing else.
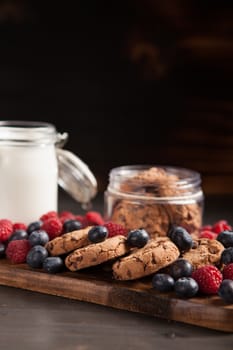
131, 81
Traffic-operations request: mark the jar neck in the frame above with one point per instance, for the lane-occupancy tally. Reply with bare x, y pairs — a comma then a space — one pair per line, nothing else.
187, 198
150, 182
30, 133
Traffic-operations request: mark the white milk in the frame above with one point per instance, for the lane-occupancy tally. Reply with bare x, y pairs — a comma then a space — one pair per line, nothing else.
28, 182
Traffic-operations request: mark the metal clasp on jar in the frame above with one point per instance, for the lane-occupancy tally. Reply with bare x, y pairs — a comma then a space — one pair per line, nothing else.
61, 139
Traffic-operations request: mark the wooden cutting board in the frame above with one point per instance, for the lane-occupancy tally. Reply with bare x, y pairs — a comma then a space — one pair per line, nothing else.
97, 286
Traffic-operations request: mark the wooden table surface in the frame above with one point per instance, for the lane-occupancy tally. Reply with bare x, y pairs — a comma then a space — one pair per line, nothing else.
31, 320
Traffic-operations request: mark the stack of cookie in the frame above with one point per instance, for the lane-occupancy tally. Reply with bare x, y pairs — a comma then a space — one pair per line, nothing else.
129, 262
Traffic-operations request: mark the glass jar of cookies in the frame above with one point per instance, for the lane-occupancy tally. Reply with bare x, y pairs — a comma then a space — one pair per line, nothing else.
154, 198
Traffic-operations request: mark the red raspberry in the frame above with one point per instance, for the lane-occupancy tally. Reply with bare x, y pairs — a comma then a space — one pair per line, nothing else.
48, 215
208, 234
82, 219
94, 218
221, 225
6, 229
19, 226
209, 278
115, 229
206, 228
17, 251
53, 226
66, 215
227, 272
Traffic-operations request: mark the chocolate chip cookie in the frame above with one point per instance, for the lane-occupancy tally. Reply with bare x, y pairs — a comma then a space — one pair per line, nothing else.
204, 252
68, 242
97, 253
155, 255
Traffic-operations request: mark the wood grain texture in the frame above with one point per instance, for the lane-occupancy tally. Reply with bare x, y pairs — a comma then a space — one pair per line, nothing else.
137, 296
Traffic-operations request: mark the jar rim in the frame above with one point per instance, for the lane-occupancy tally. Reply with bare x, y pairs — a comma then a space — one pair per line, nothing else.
24, 132
27, 124
141, 167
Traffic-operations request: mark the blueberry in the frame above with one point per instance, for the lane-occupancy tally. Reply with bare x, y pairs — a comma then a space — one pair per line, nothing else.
36, 256
186, 287
71, 225
181, 238
226, 238
53, 264
163, 282
18, 234
180, 268
33, 226
39, 237
97, 234
225, 291
138, 238
227, 256
2, 249
171, 231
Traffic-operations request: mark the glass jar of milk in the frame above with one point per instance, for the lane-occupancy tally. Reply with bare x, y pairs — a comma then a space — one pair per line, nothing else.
32, 164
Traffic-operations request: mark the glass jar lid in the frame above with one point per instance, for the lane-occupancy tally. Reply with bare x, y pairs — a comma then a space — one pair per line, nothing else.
75, 177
